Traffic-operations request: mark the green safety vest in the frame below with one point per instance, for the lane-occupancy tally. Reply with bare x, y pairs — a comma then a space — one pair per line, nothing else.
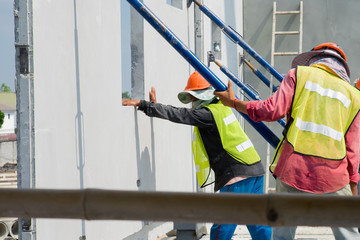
324, 106
233, 138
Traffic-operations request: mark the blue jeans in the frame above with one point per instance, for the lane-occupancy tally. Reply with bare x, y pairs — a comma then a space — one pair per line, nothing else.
226, 231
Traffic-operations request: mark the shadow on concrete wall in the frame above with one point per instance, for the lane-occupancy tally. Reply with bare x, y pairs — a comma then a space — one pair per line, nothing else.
146, 180
79, 118
146, 164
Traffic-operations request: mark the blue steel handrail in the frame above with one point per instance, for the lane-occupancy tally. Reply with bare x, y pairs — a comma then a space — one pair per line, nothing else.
237, 38
191, 58
259, 74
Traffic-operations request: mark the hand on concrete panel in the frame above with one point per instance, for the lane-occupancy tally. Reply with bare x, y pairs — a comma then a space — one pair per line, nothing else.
130, 102
152, 95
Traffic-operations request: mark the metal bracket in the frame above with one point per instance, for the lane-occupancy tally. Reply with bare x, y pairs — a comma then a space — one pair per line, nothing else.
210, 58
24, 60
241, 59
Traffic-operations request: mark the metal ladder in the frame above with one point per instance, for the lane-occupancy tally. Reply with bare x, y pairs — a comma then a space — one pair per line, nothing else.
273, 54
276, 33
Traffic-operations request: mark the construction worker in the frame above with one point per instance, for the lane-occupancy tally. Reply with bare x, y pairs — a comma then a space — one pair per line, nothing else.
357, 85
223, 153
319, 152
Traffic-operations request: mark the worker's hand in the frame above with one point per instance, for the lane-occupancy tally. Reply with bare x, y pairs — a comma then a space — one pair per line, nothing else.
130, 102
152, 95
226, 97
354, 189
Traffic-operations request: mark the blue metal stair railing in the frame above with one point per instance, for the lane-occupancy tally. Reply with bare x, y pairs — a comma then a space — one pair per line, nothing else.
237, 38
193, 60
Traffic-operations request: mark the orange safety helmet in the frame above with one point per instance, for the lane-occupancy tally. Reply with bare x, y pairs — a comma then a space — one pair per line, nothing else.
196, 82
357, 84
198, 87
333, 46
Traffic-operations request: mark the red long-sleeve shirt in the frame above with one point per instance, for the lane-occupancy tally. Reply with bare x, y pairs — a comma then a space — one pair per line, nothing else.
307, 173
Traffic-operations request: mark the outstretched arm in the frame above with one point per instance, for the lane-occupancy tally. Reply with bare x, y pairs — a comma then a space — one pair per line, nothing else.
228, 99
200, 118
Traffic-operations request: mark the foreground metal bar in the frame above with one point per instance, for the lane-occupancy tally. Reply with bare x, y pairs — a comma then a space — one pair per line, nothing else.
192, 59
237, 38
268, 209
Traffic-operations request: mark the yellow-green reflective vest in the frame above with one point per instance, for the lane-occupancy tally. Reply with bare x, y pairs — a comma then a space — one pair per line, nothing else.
324, 106
233, 138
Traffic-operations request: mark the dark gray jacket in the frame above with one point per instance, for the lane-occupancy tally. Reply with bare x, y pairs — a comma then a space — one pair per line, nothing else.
223, 165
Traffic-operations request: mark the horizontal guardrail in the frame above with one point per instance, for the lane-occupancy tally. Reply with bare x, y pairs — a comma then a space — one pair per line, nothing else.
268, 209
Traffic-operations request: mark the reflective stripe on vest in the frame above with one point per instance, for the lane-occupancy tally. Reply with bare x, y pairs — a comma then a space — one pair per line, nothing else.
233, 138
229, 119
323, 108
316, 128
314, 87
245, 145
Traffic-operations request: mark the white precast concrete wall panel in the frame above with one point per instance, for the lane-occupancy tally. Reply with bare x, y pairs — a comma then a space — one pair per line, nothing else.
84, 138
55, 93
168, 72
79, 122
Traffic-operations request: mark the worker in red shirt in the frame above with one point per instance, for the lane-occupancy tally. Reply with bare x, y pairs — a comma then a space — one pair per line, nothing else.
319, 152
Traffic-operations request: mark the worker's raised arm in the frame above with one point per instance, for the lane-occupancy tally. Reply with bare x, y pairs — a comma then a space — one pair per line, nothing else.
228, 99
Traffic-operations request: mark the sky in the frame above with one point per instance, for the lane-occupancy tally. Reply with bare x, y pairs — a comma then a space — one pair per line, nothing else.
7, 47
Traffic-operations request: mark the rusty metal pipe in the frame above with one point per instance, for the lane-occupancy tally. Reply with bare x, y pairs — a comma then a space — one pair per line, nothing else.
259, 74
267, 209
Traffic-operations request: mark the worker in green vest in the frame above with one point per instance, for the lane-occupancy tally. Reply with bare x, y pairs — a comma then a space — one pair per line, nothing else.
319, 153
223, 153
